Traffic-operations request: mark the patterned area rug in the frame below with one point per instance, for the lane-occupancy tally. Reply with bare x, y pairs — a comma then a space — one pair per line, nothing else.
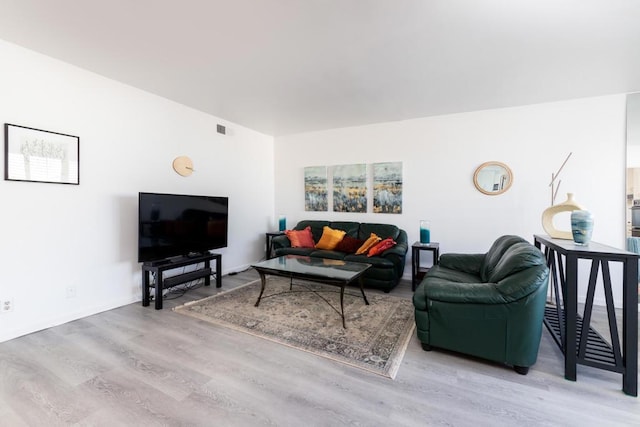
375, 339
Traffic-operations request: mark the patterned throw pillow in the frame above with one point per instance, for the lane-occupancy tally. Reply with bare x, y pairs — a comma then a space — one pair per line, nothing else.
330, 238
301, 238
381, 247
348, 245
368, 244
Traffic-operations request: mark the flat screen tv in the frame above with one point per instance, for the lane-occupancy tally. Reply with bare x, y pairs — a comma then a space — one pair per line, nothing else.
174, 225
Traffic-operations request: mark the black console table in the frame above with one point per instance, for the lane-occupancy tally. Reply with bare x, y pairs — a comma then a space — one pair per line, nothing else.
573, 333
159, 268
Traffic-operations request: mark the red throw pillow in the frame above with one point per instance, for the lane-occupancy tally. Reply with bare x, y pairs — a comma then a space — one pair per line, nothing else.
301, 238
381, 247
348, 245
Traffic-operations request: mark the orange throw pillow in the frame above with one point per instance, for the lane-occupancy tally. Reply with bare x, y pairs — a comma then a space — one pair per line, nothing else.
330, 238
381, 247
301, 238
368, 244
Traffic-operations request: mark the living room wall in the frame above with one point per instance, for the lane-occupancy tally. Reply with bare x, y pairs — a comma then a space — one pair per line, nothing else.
440, 154
84, 238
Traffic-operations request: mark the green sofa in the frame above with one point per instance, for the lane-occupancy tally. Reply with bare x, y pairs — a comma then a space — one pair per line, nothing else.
387, 267
486, 305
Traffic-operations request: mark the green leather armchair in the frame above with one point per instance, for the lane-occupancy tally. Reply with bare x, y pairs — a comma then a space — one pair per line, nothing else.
486, 305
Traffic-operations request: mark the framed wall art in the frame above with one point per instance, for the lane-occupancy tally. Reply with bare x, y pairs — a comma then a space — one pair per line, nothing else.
40, 156
387, 187
315, 188
350, 188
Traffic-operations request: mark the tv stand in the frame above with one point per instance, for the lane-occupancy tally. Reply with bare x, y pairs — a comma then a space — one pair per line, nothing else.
160, 267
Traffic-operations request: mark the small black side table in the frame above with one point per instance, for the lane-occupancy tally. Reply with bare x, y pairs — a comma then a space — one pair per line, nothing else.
269, 244
418, 272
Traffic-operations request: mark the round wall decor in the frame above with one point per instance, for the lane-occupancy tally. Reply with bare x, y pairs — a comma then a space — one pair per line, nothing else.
183, 165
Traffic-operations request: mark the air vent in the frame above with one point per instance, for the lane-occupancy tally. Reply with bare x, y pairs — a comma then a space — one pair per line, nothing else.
222, 129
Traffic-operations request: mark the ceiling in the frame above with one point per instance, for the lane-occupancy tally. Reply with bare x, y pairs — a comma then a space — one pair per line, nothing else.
288, 66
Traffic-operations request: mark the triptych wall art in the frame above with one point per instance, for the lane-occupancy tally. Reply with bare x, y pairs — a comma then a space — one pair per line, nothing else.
350, 188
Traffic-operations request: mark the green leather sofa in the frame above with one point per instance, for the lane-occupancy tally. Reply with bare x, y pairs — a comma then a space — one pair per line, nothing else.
387, 268
486, 305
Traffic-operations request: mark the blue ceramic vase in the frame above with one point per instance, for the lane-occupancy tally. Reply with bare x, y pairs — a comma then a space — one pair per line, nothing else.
581, 226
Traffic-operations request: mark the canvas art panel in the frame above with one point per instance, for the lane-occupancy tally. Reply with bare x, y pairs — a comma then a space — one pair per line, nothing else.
350, 188
315, 189
387, 187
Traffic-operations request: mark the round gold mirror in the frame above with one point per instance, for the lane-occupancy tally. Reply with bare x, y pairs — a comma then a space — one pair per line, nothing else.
493, 178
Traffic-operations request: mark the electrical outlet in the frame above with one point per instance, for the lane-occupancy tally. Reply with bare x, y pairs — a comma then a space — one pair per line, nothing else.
71, 292
7, 306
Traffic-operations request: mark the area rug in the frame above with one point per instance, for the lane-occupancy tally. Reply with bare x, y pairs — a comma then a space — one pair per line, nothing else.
375, 339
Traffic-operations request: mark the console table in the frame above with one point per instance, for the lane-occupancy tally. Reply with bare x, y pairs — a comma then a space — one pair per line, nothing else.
573, 333
160, 284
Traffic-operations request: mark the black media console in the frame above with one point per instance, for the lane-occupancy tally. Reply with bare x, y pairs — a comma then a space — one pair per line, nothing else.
159, 268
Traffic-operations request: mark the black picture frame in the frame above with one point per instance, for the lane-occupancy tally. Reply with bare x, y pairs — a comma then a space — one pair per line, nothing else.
36, 155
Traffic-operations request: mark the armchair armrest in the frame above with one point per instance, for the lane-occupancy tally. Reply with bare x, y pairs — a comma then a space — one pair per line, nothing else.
475, 293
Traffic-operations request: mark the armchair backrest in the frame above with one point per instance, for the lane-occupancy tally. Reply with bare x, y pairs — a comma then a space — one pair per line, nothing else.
495, 253
520, 270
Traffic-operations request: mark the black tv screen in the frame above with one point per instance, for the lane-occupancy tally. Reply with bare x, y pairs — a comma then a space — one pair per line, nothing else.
172, 225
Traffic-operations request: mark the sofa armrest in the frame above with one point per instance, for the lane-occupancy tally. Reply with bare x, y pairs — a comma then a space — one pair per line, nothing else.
399, 249
279, 242
467, 263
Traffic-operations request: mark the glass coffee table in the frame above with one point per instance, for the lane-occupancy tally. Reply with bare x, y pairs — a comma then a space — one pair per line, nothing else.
319, 270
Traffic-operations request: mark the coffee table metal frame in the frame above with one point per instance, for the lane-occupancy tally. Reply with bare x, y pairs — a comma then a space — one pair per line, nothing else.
317, 270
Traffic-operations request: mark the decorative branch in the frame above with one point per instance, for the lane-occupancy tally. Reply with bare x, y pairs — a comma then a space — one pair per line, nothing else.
556, 187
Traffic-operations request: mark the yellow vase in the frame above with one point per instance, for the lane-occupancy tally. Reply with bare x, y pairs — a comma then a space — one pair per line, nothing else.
568, 205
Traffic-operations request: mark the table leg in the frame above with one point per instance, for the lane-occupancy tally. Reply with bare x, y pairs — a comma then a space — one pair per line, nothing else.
362, 290
159, 286
145, 288
219, 271
630, 328
342, 305
571, 312
263, 280
415, 265
207, 280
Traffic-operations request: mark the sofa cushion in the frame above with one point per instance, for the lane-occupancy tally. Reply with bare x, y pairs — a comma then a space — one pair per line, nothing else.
321, 253
350, 227
495, 253
375, 261
382, 230
381, 246
349, 245
368, 244
301, 238
294, 251
330, 238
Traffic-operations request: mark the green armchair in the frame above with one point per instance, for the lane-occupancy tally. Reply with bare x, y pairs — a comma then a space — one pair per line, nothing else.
486, 305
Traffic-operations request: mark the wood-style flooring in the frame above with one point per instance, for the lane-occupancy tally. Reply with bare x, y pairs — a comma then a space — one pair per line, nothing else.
136, 366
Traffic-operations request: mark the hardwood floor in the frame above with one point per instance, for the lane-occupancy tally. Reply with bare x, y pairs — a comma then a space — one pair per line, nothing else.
138, 366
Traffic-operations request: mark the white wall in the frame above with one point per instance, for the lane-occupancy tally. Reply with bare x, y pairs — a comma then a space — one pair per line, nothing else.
55, 236
440, 155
